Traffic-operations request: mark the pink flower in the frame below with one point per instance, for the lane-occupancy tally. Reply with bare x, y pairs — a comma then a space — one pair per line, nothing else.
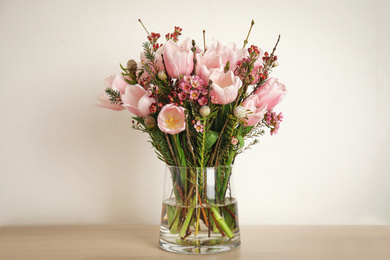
136, 99
194, 94
271, 93
229, 53
182, 95
119, 83
199, 127
207, 64
225, 87
256, 109
178, 61
202, 101
186, 87
171, 119
104, 98
204, 91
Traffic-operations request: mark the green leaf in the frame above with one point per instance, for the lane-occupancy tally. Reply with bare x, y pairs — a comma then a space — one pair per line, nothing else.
241, 140
211, 138
247, 129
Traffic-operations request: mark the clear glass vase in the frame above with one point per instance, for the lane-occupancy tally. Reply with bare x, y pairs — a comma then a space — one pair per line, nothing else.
199, 211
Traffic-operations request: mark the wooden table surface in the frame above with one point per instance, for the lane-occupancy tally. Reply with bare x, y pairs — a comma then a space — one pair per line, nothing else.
141, 242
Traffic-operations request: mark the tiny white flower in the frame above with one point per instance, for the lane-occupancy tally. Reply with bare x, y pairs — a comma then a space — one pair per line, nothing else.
204, 111
161, 75
239, 112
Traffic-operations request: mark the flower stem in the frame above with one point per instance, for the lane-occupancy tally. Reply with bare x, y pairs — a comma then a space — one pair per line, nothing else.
222, 222
184, 228
139, 20
170, 148
247, 37
197, 222
204, 40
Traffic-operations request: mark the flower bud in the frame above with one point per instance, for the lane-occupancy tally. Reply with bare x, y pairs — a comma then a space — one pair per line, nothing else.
161, 75
204, 111
275, 64
149, 122
234, 140
239, 112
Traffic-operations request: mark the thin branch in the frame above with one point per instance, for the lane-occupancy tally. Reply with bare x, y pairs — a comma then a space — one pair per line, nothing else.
139, 20
170, 148
247, 37
204, 41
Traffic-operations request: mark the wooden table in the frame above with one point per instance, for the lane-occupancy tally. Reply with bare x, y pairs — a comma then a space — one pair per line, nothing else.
141, 242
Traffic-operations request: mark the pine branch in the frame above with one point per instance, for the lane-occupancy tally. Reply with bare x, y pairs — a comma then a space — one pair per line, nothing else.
115, 96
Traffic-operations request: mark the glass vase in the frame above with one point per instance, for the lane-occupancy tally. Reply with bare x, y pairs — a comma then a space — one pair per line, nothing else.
199, 210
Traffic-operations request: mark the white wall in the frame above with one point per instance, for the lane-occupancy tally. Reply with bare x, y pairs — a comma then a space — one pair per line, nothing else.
65, 161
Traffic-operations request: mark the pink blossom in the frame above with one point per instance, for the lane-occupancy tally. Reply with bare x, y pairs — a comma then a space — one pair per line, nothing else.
171, 119
204, 91
224, 87
182, 95
207, 64
234, 140
186, 87
136, 99
275, 129
187, 79
256, 109
202, 101
229, 53
119, 83
104, 98
271, 93
199, 127
178, 61
194, 94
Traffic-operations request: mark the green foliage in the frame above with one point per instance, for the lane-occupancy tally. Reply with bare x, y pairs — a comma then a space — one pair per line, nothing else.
115, 96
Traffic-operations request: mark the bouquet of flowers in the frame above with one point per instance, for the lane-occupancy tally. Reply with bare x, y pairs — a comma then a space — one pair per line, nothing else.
201, 108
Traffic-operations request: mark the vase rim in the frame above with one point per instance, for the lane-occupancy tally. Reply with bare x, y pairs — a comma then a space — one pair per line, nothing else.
199, 167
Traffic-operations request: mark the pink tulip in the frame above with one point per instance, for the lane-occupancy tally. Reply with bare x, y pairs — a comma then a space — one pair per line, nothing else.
104, 98
178, 61
229, 53
257, 111
271, 93
224, 88
136, 99
207, 64
105, 102
171, 119
119, 83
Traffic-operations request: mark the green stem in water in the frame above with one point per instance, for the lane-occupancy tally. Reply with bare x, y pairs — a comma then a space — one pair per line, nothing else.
222, 223
174, 224
184, 228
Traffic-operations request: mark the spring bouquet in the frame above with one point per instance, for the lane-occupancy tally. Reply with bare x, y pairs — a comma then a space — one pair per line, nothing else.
201, 108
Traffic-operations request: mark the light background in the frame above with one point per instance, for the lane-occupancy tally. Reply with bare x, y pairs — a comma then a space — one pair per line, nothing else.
65, 161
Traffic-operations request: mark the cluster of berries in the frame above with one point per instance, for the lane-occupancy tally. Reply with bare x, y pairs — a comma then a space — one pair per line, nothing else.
175, 35
253, 51
152, 38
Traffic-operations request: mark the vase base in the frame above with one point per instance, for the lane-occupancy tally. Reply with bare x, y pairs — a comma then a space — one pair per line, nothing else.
197, 250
